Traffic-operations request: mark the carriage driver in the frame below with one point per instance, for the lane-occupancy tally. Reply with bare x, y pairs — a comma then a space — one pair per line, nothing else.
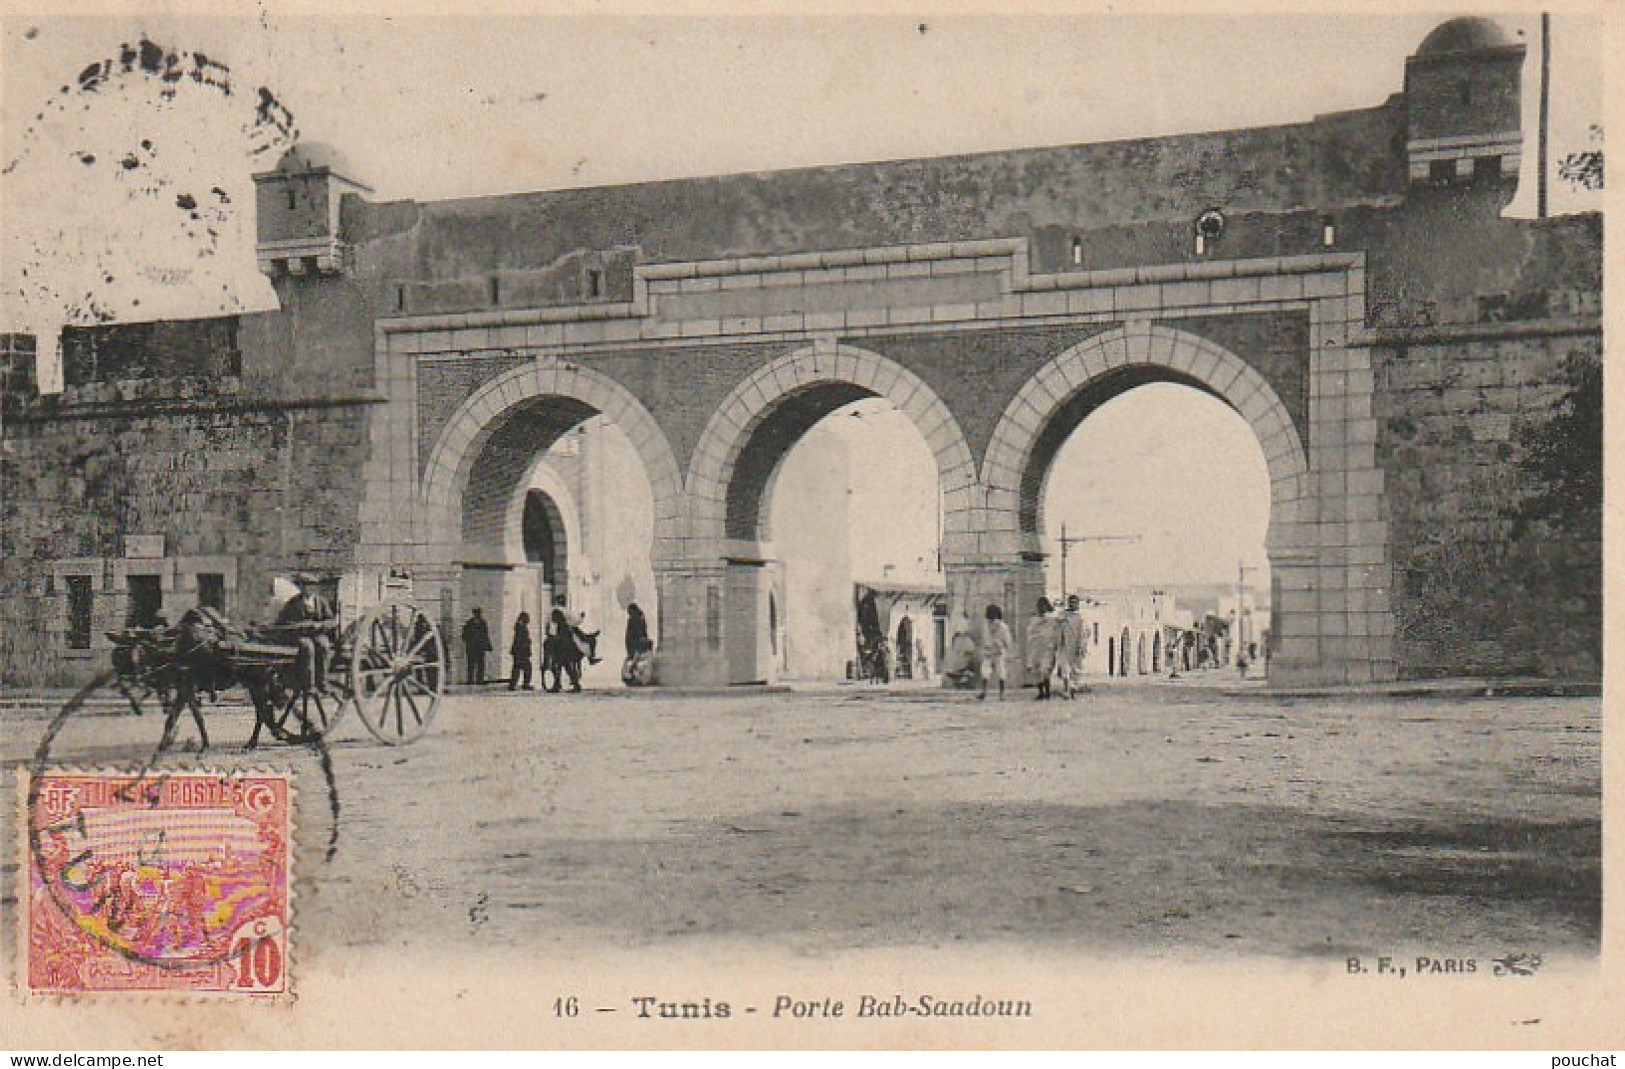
308, 607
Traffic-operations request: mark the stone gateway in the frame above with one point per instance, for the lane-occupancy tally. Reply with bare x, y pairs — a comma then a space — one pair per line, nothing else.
1348, 284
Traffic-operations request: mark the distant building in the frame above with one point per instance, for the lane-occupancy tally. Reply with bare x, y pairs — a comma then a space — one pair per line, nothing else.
1145, 630
1129, 631
913, 617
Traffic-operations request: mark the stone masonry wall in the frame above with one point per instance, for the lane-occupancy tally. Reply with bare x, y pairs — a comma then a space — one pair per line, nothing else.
681, 387
1127, 202
246, 487
1472, 370
1476, 591
268, 490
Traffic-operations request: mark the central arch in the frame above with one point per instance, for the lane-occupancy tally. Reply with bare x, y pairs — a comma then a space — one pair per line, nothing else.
748, 436
742, 450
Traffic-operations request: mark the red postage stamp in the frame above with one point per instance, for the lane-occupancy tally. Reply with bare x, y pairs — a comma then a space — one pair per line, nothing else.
171, 882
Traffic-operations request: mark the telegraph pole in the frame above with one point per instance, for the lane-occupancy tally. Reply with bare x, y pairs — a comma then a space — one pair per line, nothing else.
1545, 112
1242, 568
1068, 541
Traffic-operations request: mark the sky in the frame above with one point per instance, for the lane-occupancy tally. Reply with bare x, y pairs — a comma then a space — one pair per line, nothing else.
1176, 473
127, 196
441, 107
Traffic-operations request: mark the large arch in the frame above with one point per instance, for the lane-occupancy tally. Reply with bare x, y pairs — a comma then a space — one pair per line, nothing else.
473, 488
740, 454
743, 443
508, 422
1038, 420
1062, 393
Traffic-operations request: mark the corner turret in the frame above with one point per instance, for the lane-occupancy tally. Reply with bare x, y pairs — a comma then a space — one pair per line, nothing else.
297, 212
1462, 104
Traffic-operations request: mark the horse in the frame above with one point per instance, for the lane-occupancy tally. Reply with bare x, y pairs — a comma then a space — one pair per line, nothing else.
208, 655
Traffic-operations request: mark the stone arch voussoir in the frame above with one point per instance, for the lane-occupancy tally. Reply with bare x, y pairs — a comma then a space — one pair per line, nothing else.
445, 478
754, 399
1010, 452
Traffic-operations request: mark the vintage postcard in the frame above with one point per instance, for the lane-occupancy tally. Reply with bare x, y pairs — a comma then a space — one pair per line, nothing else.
855, 527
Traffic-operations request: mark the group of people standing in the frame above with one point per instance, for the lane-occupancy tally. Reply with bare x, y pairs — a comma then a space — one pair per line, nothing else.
1056, 645
565, 645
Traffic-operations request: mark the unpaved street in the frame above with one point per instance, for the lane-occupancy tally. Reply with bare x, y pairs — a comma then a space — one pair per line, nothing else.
1138, 820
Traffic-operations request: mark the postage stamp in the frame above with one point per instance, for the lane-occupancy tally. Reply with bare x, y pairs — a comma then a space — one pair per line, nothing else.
169, 882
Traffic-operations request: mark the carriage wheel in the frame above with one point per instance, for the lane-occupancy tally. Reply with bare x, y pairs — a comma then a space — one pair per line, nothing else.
303, 716
397, 671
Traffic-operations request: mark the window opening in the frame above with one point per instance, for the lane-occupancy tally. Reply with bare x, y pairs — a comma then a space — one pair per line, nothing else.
80, 600
146, 600
211, 591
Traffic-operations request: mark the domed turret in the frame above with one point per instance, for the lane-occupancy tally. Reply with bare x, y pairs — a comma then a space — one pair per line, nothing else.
297, 211
1471, 34
309, 156
1462, 103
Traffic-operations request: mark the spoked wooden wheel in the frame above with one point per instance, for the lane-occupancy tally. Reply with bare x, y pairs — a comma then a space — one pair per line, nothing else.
303, 716
397, 672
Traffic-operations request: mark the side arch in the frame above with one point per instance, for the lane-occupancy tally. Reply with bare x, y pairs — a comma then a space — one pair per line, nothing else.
539, 402
725, 480
1032, 427
560, 519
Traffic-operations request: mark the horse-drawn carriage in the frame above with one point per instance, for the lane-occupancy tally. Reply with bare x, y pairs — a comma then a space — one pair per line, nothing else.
390, 663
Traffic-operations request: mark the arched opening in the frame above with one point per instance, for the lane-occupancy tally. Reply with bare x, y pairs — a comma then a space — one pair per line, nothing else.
546, 545
557, 503
1072, 395
589, 446
1154, 506
773, 622
742, 488
905, 649
1122, 647
841, 494
547, 525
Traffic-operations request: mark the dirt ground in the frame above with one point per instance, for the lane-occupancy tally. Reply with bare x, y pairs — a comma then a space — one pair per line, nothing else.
1142, 820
